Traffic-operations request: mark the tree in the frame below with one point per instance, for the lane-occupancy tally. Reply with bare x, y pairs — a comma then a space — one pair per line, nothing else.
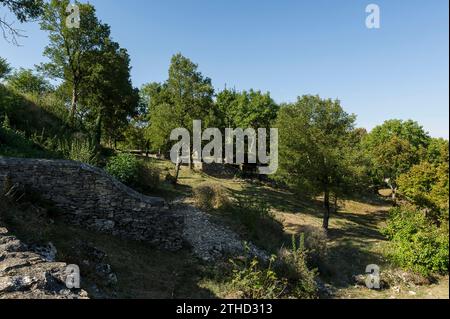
71, 49
186, 96
5, 68
109, 98
394, 148
426, 185
24, 10
251, 109
315, 150
26, 81
437, 151
191, 93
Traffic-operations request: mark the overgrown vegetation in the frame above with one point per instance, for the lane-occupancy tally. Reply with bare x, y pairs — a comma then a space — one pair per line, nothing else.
417, 244
285, 275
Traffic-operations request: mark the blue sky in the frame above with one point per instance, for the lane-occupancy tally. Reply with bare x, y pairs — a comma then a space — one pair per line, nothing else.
290, 48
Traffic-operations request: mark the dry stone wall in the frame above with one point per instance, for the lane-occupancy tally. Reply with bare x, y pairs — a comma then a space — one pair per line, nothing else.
88, 197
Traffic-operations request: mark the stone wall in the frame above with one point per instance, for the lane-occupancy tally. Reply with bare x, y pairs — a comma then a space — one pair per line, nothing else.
88, 197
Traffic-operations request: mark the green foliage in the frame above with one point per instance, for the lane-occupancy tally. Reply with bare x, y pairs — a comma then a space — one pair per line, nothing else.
15, 144
24, 10
394, 148
286, 275
73, 51
83, 150
109, 98
256, 282
6, 124
416, 243
437, 151
124, 167
134, 137
186, 96
427, 186
246, 109
32, 113
26, 81
5, 68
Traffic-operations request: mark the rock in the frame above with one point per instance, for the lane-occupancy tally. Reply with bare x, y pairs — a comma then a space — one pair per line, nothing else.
47, 252
210, 241
28, 275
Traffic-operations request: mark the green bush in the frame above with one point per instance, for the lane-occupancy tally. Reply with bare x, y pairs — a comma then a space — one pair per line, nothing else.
286, 275
82, 150
124, 167
416, 243
253, 281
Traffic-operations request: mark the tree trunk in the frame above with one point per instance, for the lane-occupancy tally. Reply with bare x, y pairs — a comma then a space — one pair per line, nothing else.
98, 131
394, 196
191, 159
74, 104
177, 170
326, 217
336, 207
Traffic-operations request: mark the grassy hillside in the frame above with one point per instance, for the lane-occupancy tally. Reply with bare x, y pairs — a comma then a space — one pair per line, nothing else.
31, 125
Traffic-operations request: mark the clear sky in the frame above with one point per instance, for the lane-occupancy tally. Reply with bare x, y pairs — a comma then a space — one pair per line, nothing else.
290, 48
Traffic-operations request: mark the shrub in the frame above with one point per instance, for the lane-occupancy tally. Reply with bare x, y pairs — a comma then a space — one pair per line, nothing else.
124, 167
148, 176
416, 243
316, 243
293, 265
253, 281
210, 196
82, 150
286, 275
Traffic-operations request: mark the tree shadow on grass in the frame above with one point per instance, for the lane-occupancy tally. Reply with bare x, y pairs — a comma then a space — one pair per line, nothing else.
282, 200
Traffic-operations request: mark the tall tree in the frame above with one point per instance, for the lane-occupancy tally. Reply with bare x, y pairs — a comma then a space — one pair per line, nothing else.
251, 109
316, 154
110, 98
70, 49
24, 10
394, 148
186, 96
